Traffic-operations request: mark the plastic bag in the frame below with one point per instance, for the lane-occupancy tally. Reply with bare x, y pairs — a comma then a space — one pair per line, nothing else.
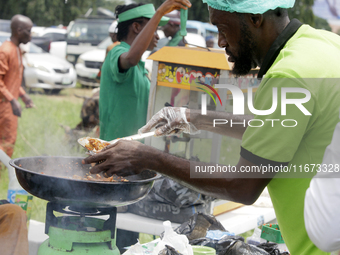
168, 250
241, 248
198, 226
171, 244
169, 200
255, 238
219, 245
179, 242
205, 230
142, 249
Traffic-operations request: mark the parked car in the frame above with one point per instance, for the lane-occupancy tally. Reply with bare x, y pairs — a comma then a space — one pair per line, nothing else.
85, 34
42, 42
90, 62
204, 29
57, 36
43, 70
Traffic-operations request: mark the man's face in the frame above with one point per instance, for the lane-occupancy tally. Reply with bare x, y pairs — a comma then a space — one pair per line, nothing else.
170, 29
235, 37
24, 33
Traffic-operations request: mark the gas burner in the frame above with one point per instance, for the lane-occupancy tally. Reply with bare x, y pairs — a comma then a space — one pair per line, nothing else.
78, 231
65, 222
81, 210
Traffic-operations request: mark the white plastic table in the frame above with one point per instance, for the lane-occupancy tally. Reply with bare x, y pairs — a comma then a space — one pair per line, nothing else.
238, 221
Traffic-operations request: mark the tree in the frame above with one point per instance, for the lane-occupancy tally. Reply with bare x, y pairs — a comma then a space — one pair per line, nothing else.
53, 12
303, 11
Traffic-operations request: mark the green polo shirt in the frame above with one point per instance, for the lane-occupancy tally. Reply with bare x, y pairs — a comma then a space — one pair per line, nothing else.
306, 57
124, 96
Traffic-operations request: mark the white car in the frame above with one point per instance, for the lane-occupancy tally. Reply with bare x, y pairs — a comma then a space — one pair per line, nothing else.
43, 70
90, 62
58, 40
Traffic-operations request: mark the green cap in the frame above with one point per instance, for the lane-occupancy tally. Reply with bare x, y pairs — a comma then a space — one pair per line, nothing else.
145, 11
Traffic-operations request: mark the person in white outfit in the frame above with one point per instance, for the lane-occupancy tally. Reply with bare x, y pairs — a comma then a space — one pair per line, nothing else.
322, 201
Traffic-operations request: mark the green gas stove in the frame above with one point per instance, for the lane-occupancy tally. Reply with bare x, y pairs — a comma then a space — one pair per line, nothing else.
79, 230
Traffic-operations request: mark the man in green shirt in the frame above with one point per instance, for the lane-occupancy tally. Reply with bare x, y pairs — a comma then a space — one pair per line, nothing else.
292, 58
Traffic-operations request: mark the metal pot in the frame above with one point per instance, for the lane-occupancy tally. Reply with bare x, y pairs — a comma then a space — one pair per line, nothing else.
50, 178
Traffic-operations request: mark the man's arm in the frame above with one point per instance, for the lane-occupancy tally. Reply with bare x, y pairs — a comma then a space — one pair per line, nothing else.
175, 119
16, 107
144, 37
234, 186
210, 122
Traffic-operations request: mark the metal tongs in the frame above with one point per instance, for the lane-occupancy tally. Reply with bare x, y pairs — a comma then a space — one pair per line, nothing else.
85, 140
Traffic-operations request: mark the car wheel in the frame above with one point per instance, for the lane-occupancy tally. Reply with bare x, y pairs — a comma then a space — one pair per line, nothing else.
52, 91
85, 86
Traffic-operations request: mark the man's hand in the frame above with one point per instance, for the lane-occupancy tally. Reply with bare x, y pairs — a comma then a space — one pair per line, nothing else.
170, 120
122, 158
28, 101
16, 107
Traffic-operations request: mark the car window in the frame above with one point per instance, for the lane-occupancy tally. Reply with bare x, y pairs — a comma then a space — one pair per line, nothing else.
192, 30
35, 49
89, 31
55, 36
105, 43
59, 37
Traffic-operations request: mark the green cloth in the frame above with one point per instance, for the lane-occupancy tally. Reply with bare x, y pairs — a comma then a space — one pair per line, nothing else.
175, 40
145, 10
123, 100
309, 53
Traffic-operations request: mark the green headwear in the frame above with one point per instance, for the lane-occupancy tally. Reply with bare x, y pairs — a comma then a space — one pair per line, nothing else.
249, 6
145, 11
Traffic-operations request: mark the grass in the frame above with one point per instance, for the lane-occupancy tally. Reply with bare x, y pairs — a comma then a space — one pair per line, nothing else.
40, 133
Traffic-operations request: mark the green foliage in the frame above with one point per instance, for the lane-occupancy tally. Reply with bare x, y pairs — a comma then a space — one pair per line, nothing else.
302, 11
53, 12
321, 24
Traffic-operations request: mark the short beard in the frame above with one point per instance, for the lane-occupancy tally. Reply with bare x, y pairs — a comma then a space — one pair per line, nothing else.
244, 61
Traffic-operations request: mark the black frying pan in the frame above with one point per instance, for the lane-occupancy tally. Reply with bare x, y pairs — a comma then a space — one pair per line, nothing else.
49, 178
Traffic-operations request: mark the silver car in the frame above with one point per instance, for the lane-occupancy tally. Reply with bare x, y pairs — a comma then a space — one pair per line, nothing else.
43, 70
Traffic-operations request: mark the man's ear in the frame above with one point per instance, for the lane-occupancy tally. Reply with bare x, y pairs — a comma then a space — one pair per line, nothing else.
255, 19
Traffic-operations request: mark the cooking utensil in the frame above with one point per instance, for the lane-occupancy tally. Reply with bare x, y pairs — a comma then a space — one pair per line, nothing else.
50, 178
85, 140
